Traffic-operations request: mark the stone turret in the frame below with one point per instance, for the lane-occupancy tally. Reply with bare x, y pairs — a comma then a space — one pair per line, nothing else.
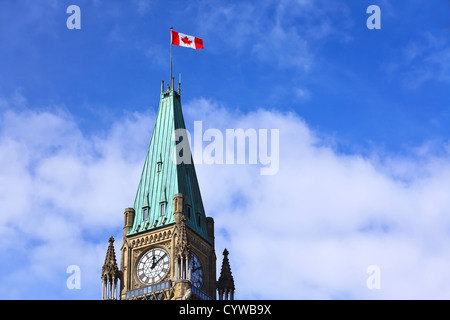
110, 273
225, 285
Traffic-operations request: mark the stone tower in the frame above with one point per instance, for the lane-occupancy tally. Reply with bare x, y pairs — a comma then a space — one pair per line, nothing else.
168, 241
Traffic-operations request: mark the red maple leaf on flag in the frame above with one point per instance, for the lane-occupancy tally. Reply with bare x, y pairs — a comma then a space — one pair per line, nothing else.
186, 40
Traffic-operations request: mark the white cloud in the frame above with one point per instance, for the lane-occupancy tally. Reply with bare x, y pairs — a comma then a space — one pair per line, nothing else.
143, 6
302, 93
63, 194
312, 230
284, 33
309, 231
425, 59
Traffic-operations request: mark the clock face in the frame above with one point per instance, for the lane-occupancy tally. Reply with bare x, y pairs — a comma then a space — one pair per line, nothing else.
153, 266
196, 271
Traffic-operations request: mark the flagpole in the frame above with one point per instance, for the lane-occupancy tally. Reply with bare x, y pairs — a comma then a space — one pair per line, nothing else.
170, 79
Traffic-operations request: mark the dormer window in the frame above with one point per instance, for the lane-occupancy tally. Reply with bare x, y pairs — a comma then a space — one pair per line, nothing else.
163, 209
145, 208
188, 212
145, 213
159, 164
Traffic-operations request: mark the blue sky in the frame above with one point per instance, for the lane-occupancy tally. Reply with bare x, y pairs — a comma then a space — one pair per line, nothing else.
364, 138
318, 60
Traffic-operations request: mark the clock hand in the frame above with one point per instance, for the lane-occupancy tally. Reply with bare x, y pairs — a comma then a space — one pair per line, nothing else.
153, 262
157, 261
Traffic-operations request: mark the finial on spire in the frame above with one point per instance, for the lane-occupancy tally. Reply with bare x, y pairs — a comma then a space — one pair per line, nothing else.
110, 273
225, 285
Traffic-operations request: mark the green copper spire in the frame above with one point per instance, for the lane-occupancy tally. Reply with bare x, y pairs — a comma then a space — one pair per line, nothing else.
162, 178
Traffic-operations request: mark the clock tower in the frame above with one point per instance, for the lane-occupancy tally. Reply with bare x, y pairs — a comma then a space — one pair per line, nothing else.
168, 241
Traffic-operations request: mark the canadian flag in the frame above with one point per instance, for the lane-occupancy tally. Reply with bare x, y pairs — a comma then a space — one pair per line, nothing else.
181, 39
